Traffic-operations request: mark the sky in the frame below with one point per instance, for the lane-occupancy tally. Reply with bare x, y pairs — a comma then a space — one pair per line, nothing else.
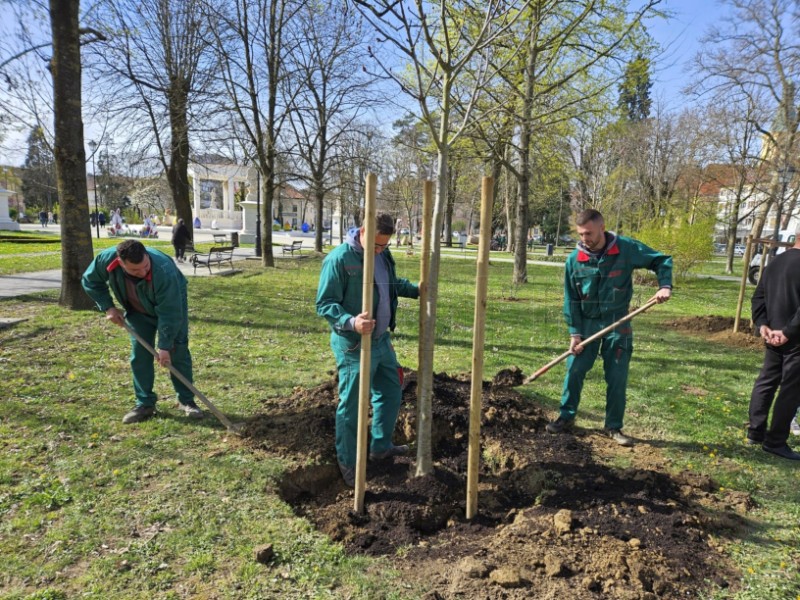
680, 39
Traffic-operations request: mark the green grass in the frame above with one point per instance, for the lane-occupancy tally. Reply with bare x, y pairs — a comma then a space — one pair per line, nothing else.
169, 509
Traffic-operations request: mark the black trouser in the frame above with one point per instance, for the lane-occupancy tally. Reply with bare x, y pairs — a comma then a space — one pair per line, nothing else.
781, 370
180, 251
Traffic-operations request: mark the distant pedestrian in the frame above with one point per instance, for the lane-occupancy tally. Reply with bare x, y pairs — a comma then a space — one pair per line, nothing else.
43, 218
180, 237
102, 218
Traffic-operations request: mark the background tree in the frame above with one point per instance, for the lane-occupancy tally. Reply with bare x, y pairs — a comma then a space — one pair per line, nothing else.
752, 56
249, 44
442, 44
159, 67
39, 173
332, 92
70, 156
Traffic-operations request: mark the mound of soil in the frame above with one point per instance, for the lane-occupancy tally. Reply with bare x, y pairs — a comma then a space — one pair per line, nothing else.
556, 518
720, 330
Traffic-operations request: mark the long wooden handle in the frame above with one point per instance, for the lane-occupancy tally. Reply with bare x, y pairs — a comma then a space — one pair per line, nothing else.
217, 413
589, 340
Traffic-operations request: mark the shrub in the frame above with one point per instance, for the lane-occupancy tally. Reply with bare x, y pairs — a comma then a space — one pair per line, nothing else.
688, 244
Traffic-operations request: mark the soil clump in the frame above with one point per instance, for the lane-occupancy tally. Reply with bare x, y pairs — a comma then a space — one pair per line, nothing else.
720, 330
557, 516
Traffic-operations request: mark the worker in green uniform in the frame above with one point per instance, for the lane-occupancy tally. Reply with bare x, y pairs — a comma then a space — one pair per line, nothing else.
598, 287
152, 293
339, 301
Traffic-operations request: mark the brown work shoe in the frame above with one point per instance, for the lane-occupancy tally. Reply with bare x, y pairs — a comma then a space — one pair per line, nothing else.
138, 414
560, 425
619, 437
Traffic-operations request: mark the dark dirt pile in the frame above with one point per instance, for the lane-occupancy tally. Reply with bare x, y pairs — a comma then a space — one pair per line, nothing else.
719, 329
556, 518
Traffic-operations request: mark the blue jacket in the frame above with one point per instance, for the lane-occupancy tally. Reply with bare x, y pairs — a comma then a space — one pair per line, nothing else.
162, 293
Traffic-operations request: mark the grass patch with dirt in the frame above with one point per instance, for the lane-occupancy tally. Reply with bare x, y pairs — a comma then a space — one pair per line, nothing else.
175, 509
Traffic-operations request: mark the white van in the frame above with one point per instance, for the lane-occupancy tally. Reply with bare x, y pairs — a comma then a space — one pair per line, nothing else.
788, 236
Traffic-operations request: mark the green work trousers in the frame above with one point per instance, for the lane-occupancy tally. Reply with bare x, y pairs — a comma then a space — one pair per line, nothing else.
142, 362
616, 349
385, 395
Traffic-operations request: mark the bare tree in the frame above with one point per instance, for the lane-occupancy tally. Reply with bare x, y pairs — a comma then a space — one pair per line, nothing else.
252, 54
159, 64
332, 92
753, 55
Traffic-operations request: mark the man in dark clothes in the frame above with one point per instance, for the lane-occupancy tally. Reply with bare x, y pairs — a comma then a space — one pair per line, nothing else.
776, 315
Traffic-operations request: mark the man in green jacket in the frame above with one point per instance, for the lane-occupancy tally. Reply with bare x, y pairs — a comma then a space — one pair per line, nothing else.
339, 301
152, 293
598, 287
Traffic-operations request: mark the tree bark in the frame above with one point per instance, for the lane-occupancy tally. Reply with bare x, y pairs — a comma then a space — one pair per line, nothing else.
70, 156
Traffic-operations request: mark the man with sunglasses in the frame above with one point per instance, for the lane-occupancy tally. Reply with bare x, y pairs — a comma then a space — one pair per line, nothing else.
339, 301
152, 293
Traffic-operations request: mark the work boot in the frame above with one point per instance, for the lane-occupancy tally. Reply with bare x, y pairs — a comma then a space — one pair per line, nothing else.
348, 474
783, 451
560, 425
389, 452
619, 437
192, 411
138, 414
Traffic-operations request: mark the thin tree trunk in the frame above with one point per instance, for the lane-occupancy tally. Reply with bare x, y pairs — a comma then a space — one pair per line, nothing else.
70, 156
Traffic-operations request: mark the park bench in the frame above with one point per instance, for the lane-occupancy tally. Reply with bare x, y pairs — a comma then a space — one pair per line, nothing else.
220, 238
217, 255
295, 245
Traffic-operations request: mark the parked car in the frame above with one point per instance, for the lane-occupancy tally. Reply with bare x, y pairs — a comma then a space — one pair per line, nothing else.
719, 248
786, 236
738, 250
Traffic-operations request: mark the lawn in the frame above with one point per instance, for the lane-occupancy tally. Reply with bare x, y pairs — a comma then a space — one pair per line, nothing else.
173, 509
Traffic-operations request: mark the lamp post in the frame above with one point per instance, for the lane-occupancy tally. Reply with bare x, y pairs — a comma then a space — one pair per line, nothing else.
93, 147
258, 213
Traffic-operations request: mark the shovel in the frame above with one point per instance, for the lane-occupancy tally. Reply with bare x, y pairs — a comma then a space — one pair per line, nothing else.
237, 429
589, 340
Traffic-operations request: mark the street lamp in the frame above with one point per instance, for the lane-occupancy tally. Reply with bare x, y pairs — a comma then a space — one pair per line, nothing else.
93, 147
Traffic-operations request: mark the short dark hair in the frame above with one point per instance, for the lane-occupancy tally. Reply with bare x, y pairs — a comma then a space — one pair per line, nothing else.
131, 251
384, 224
587, 215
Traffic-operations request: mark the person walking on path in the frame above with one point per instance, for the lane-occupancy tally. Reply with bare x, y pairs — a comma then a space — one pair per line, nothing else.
152, 293
598, 287
180, 237
776, 315
339, 301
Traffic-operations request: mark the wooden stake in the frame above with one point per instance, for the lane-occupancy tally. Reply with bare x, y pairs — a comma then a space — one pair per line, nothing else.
424, 409
746, 258
478, 339
364, 387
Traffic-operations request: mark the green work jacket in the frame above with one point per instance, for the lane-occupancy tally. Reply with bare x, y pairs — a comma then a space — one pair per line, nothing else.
339, 296
162, 293
601, 288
